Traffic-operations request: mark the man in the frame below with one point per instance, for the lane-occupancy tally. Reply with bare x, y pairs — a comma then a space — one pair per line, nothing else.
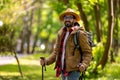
67, 59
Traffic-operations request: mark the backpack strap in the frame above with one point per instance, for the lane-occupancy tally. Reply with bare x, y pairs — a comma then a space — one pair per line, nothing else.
77, 45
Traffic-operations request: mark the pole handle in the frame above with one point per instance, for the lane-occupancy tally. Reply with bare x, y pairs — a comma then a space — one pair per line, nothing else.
43, 58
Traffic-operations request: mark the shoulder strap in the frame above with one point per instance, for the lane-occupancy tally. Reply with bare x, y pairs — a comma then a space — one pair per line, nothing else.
77, 45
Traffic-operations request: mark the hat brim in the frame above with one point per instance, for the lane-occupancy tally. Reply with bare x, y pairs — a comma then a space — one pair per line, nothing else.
77, 17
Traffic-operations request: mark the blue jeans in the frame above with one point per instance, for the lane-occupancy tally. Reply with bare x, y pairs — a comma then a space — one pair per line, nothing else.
73, 75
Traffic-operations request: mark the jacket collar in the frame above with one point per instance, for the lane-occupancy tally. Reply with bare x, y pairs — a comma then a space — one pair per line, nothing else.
73, 30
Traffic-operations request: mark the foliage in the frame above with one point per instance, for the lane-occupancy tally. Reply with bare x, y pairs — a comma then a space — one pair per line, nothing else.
52, 25
56, 5
5, 38
11, 10
98, 52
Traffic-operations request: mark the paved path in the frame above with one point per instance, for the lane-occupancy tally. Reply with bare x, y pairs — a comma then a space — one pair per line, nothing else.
9, 59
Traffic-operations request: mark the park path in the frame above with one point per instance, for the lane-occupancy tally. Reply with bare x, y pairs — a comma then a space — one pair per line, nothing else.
9, 59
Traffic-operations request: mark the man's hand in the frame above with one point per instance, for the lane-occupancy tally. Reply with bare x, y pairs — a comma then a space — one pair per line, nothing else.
43, 61
81, 67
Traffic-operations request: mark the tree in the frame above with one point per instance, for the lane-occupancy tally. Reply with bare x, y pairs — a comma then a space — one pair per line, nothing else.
83, 16
6, 44
28, 22
104, 58
116, 30
38, 31
98, 22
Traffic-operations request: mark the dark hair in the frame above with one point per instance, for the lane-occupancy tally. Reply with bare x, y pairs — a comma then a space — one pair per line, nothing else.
74, 17
76, 24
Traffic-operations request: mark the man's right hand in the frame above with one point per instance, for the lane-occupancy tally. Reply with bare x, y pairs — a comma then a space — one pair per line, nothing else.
43, 61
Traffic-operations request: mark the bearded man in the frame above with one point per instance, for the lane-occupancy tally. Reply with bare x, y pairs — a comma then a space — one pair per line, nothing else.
67, 60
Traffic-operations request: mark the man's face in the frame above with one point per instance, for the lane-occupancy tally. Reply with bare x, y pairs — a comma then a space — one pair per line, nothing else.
69, 20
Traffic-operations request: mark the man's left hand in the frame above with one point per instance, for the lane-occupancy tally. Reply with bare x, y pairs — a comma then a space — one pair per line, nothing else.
81, 67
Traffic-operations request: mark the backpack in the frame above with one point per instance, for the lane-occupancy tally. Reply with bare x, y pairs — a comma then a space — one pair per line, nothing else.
77, 46
76, 41
89, 35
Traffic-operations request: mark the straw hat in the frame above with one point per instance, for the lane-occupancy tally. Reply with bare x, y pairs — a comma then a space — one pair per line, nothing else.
71, 12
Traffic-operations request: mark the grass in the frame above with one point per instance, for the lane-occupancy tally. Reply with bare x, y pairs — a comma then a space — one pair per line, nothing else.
32, 70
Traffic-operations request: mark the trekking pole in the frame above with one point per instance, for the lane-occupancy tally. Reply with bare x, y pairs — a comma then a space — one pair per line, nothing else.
82, 76
42, 68
42, 73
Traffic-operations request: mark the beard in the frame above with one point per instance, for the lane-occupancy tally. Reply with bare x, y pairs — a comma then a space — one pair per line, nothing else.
68, 24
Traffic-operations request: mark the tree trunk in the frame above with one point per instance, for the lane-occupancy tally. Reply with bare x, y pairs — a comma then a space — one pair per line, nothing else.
116, 30
116, 38
110, 34
83, 16
29, 31
38, 31
22, 45
112, 56
24, 31
19, 67
115, 44
66, 2
98, 23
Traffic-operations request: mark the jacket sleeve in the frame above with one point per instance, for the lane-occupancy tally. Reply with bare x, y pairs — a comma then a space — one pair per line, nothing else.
86, 49
51, 59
